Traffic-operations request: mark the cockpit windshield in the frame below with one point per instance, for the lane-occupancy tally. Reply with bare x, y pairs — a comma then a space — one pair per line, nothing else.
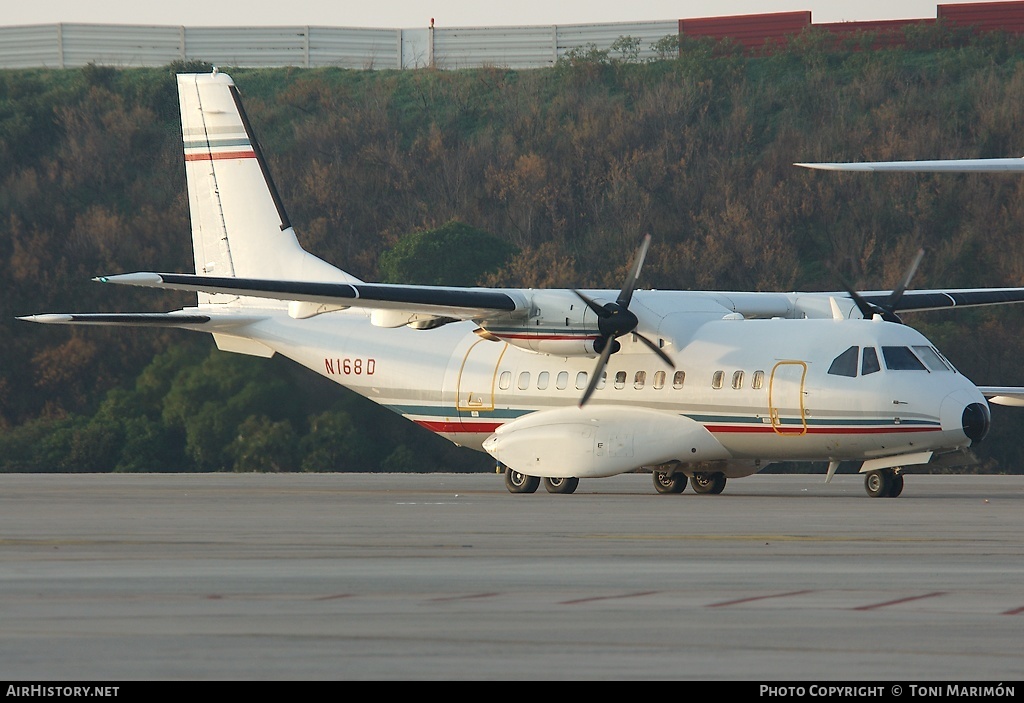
932, 359
901, 359
920, 358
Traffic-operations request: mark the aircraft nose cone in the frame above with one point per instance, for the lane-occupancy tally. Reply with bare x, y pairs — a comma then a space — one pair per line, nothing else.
976, 421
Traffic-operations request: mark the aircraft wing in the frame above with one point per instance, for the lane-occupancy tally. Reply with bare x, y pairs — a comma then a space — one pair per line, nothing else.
462, 303
937, 166
1004, 395
183, 319
921, 300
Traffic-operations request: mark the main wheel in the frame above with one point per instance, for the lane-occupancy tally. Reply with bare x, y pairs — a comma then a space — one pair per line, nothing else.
897, 486
665, 482
561, 485
709, 483
878, 483
517, 482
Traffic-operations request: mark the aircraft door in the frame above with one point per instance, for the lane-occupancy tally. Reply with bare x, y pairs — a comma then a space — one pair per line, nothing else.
477, 377
786, 398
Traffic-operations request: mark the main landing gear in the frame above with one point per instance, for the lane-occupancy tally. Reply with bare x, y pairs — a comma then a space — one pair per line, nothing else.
664, 482
709, 483
884, 483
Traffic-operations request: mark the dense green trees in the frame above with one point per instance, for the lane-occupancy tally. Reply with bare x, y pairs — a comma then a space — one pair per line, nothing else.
561, 170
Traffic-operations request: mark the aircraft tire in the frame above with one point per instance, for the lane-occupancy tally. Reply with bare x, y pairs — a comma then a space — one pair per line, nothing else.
517, 482
708, 483
667, 483
897, 486
878, 483
561, 485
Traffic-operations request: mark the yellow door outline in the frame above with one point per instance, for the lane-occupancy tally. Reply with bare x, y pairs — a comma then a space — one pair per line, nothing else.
773, 411
477, 401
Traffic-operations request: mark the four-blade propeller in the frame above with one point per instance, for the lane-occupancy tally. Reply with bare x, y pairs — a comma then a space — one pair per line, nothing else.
615, 320
887, 309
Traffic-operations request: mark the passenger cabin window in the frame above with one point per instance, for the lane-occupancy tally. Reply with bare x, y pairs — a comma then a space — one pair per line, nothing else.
716, 380
581, 380
678, 379
901, 359
757, 382
659, 380
845, 364
505, 380
737, 380
603, 381
524, 380
869, 363
639, 379
562, 380
542, 380
620, 380
931, 359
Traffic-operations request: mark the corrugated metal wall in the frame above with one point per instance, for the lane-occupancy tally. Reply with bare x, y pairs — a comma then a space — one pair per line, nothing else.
75, 45
749, 31
604, 36
986, 16
511, 47
884, 33
30, 46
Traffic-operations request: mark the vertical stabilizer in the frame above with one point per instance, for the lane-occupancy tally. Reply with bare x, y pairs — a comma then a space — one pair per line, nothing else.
239, 225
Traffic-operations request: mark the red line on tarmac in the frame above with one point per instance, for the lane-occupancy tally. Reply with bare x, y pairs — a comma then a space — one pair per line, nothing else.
337, 596
467, 597
738, 601
597, 598
900, 600
1014, 611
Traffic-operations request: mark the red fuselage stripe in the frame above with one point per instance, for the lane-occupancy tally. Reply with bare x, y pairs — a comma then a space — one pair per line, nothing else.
489, 427
221, 155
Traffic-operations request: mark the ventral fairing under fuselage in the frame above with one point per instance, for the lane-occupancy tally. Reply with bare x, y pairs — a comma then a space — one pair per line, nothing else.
560, 384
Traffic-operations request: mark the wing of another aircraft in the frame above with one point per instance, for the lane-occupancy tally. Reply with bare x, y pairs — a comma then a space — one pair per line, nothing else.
935, 166
1011, 396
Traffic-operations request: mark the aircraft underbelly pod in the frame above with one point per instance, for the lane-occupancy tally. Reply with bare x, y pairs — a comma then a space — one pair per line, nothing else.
600, 441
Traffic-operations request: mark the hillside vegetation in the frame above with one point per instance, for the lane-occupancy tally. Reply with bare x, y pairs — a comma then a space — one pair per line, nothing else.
564, 168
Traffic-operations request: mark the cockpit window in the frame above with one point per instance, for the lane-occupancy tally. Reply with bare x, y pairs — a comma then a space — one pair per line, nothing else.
845, 364
931, 359
901, 359
869, 362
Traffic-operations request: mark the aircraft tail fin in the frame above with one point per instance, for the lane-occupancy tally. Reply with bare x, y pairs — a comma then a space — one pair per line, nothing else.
239, 225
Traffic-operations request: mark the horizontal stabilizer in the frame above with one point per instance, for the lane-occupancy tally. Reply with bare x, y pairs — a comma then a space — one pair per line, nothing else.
464, 303
936, 166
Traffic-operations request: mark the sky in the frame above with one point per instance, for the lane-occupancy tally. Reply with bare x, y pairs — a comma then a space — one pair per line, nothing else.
408, 14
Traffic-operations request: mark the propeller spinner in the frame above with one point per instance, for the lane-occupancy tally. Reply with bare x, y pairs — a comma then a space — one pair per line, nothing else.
615, 320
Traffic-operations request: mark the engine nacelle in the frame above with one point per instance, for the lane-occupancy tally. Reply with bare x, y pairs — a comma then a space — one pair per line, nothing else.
559, 323
600, 441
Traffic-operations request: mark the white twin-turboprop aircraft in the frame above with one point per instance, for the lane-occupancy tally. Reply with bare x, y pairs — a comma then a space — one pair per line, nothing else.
563, 384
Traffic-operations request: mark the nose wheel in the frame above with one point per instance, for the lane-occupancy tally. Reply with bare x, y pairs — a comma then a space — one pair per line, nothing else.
517, 482
885, 483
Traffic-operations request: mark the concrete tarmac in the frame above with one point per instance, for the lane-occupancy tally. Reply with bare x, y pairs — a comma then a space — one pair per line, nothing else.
449, 577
